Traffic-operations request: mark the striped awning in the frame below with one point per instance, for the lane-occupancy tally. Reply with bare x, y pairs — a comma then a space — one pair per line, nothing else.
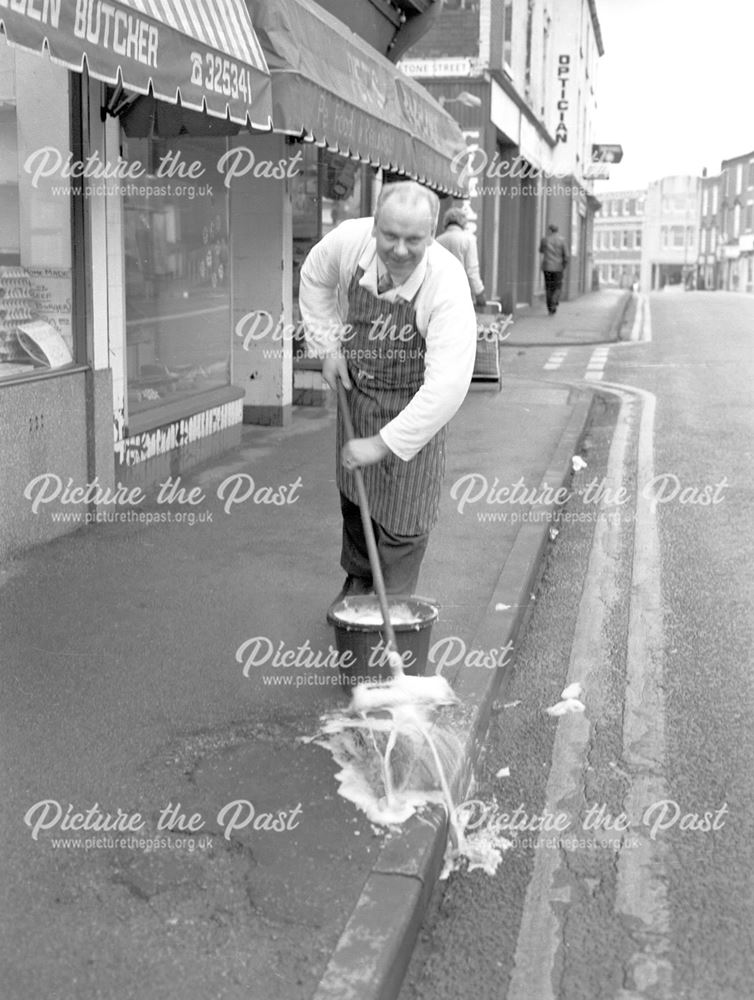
205, 56
330, 86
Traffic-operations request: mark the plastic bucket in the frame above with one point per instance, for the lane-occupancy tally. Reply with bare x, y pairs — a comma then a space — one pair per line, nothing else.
360, 643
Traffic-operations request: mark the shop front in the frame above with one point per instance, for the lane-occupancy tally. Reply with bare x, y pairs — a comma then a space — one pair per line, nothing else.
115, 301
153, 224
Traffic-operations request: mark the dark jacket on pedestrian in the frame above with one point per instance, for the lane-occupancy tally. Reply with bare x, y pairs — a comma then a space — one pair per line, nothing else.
554, 252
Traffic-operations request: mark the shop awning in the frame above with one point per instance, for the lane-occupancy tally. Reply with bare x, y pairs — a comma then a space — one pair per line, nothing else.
330, 86
204, 55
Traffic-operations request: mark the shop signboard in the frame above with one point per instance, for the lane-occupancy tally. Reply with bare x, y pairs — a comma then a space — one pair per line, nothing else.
218, 66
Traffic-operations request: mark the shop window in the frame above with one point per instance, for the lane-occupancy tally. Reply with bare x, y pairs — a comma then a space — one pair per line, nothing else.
508, 33
341, 190
305, 199
327, 189
177, 272
36, 283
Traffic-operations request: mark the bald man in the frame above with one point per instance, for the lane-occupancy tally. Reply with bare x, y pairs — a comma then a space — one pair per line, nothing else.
390, 311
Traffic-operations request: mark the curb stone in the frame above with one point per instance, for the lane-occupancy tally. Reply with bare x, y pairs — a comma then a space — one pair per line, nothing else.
621, 310
629, 315
373, 953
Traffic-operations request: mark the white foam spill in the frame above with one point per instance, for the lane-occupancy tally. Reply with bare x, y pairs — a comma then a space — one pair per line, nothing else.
361, 779
392, 767
481, 849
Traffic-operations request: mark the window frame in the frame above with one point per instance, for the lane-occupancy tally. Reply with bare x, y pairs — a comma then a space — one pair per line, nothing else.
80, 287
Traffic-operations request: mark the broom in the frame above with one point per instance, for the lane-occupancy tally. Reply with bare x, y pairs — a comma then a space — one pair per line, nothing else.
401, 689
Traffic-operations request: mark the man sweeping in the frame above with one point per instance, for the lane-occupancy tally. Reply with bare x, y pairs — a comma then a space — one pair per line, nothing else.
390, 311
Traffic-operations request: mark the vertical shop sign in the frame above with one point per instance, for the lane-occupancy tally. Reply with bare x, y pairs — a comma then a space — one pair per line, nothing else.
564, 75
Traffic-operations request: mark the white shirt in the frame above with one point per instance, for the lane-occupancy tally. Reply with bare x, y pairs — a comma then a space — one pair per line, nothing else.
444, 316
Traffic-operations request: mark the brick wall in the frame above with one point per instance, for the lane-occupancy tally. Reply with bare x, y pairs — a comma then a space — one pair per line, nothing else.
454, 33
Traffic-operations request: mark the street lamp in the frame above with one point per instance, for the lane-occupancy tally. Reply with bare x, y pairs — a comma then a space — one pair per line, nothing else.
468, 100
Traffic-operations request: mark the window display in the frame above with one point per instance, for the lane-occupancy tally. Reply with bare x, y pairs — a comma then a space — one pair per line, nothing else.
35, 216
178, 289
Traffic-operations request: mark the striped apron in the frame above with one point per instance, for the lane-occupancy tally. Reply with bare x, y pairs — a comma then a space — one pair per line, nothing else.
385, 354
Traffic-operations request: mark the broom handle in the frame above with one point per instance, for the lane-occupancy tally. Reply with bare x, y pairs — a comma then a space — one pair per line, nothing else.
366, 520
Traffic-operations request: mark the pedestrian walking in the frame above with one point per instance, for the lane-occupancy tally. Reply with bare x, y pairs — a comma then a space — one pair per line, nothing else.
390, 312
554, 262
462, 244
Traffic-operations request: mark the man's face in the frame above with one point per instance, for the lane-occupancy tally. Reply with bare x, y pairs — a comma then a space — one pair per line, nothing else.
403, 232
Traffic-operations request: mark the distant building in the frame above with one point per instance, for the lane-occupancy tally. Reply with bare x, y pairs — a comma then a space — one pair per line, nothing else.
671, 228
618, 238
736, 224
708, 270
692, 231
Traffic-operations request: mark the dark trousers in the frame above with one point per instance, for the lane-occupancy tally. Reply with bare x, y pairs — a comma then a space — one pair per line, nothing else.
400, 555
553, 284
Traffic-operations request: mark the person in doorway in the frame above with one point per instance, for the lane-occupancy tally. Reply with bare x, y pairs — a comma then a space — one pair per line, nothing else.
462, 244
390, 312
554, 262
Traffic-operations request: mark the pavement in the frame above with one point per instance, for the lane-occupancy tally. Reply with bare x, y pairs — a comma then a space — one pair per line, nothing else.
169, 831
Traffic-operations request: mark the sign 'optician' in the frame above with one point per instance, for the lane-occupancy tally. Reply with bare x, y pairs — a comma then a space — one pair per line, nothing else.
564, 75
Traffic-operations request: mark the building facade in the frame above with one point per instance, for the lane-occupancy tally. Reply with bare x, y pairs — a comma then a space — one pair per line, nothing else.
709, 271
161, 176
736, 224
695, 232
671, 233
618, 238
520, 78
